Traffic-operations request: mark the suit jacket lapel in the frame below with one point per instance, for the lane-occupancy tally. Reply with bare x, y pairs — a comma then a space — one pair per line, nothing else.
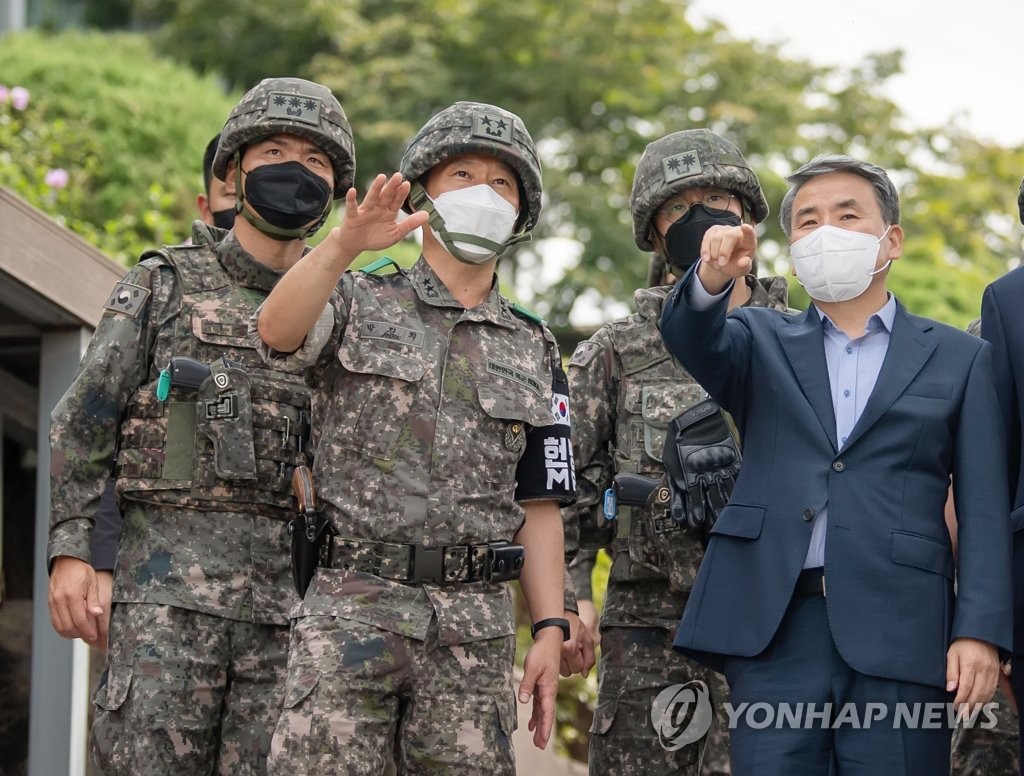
803, 344
909, 349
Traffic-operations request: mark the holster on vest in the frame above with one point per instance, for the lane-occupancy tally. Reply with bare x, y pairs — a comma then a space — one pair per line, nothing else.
307, 531
224, 416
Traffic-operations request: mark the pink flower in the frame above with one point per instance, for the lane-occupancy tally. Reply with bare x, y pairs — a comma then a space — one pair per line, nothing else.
19, 97
4, 94
56, 178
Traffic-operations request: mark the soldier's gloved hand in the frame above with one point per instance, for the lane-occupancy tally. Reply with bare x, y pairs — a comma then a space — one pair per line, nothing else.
701, 461
74, 598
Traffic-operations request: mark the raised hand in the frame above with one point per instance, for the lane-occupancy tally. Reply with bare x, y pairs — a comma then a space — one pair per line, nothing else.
726, 252
373, 224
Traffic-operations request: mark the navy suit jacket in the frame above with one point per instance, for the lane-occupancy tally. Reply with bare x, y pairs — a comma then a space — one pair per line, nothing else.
889, 566
1002, 324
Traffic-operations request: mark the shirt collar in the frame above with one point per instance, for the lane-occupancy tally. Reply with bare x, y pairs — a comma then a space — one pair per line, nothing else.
432, 291
882, 320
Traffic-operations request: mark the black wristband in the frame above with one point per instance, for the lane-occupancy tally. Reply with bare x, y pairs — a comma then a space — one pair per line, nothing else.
552, 622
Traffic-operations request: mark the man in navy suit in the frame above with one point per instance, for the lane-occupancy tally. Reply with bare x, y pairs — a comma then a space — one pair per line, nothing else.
1003, 326
828, 578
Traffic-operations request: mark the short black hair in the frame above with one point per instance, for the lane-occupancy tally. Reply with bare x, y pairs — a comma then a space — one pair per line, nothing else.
208, 154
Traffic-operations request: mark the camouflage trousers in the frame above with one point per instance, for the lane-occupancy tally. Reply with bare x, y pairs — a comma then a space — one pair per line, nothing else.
359, 697
637, 664
987, 751
187, 693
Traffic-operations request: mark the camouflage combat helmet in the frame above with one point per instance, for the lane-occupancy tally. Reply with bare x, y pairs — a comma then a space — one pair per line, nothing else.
478, 128
684, 160
297, 107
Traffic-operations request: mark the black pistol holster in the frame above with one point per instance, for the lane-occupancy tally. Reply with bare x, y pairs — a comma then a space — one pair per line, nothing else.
702, 460
308, 530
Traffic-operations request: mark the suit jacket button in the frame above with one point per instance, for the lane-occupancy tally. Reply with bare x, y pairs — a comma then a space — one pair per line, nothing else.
808, 514
838, 466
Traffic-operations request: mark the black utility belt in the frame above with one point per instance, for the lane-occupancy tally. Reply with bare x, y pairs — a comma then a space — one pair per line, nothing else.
414, 564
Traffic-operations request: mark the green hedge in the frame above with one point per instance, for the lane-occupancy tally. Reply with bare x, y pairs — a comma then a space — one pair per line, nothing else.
128, 127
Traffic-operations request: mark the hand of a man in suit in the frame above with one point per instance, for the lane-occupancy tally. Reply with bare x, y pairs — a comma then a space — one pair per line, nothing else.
972, 669
726, 252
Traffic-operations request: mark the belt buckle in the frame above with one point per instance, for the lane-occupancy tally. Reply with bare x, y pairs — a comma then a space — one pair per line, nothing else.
504, 562
427, 564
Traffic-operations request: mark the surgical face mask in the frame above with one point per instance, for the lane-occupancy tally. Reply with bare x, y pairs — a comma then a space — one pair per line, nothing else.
223, 219
478, 222
287, 195
683, 239
835, 264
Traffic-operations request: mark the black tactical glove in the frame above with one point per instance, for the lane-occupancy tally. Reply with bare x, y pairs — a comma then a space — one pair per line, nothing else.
702, 460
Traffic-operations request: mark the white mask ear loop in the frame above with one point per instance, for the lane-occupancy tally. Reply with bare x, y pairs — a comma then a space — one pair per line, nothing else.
885, 266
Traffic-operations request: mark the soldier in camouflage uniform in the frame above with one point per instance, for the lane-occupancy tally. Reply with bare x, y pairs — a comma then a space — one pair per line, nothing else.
442, 452
626, 388
202, 587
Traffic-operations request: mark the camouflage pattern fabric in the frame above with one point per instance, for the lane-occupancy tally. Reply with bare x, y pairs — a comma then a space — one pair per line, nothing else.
352, 687
291, 106
166, 705
192, 543
479, 128
979, 751
685, 160
423, 408
636, 665
626, 388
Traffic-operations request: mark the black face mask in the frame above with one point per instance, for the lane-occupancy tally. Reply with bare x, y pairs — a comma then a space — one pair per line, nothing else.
287, 195
223, 219
684, 237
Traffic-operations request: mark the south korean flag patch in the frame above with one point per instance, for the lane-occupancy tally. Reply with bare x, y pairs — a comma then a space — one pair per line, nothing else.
127, 299
560, 409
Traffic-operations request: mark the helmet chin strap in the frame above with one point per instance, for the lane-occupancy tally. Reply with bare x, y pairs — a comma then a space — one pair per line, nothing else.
419, 199
274, 232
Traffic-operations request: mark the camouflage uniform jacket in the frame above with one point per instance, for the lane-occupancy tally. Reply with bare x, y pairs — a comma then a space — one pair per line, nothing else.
626, 387
421, 409
191, 538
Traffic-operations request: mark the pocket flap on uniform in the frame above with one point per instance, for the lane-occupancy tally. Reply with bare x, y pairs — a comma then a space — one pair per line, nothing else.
507, 717
740, 520
504, 402
299, 686
922, 552
604, 716
370, 357
111, 693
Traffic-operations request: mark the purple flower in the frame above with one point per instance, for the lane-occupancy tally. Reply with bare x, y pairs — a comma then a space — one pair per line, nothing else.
4, 94
56, 178
19, 97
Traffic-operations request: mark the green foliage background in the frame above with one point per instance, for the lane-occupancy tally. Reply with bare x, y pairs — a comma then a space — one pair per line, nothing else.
128, 114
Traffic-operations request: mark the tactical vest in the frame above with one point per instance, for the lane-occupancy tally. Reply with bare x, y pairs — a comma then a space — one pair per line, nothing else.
653, 389
231, 444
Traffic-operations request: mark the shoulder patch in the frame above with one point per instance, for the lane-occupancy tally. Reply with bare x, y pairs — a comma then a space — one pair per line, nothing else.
584, 353
375, 266
523, 312
127, 298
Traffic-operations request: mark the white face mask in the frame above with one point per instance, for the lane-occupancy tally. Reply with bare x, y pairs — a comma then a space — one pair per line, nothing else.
835, 264
480, 214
